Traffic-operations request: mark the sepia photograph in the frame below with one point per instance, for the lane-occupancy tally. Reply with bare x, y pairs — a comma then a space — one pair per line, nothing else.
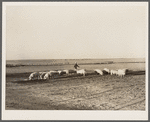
75, 60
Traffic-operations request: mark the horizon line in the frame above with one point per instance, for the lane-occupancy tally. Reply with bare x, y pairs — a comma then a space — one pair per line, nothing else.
74, 59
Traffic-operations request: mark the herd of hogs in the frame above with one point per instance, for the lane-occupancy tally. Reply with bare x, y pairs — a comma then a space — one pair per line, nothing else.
51, 74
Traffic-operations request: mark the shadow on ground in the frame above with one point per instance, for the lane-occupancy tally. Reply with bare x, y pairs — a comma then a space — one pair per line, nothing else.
24, 77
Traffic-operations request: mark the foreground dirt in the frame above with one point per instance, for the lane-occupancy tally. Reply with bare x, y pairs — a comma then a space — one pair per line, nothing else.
92, 92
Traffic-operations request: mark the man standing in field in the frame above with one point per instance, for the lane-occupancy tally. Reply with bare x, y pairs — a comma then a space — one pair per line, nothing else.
76, 65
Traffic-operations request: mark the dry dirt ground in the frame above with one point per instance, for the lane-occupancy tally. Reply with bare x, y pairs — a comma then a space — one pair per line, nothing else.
93, 92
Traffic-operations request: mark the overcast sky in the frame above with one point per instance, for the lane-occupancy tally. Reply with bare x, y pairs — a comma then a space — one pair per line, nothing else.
74, 32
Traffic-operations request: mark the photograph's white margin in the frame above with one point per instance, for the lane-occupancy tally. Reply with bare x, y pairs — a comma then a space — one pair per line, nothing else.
69, 114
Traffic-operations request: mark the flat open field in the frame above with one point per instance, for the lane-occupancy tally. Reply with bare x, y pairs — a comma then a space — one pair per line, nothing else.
72, 61
75, 92
27, 69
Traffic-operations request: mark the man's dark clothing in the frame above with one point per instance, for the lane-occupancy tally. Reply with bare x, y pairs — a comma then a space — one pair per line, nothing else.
76, 65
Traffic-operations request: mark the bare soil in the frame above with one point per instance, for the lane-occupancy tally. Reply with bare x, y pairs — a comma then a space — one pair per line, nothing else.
75, 92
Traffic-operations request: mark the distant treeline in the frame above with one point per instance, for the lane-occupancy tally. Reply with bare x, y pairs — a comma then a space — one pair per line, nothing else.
13, 65
60, 64
18, 65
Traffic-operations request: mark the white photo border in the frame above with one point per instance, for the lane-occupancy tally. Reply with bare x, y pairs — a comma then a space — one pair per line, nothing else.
68, 114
